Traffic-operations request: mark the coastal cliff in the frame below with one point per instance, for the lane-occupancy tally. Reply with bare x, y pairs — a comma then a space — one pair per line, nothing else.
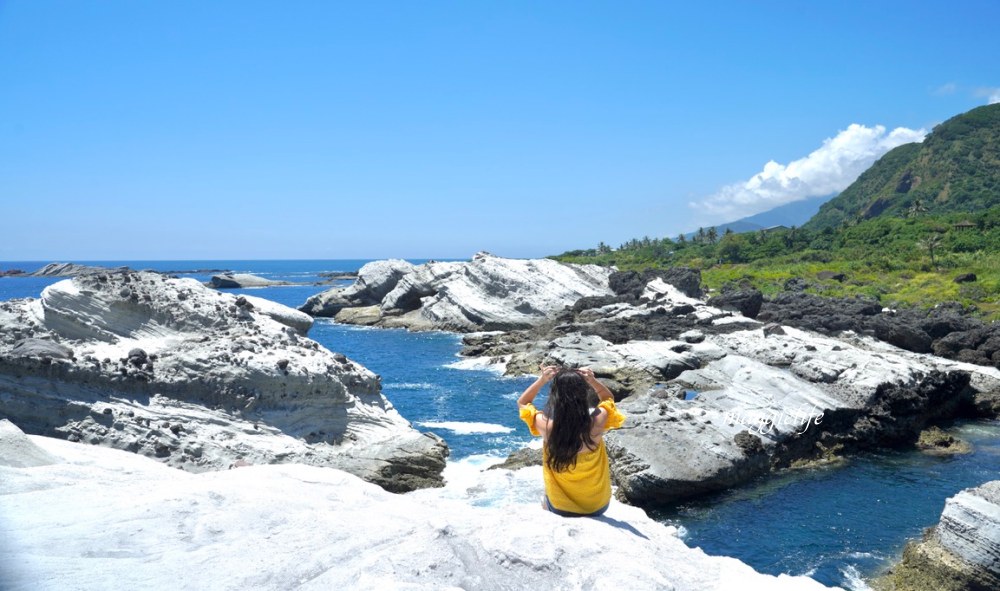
99, 518
199, 380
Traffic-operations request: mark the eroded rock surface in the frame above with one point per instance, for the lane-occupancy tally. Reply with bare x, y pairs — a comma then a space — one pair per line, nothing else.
71, 270
102, 519
486, 293
199, 379
240, 280
759, 397
373, 282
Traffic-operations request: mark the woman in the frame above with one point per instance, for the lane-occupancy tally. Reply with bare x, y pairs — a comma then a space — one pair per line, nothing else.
574, 459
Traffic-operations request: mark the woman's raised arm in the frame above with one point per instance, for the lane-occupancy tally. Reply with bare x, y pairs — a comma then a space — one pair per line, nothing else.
602, 391
528, 396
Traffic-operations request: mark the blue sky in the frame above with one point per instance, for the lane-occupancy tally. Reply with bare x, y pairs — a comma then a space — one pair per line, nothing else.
187, 130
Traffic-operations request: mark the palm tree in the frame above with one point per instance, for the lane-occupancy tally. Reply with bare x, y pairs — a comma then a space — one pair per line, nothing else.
916, 209
712, 235
930, 243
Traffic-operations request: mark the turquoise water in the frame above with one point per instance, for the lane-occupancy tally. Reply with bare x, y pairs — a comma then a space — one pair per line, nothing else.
835, 524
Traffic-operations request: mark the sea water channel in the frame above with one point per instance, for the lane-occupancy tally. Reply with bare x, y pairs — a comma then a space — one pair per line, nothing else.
838, 524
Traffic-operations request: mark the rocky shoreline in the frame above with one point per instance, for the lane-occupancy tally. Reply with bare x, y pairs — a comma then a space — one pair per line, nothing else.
802, 387
961, 553
766, 396
202, 380
199, 380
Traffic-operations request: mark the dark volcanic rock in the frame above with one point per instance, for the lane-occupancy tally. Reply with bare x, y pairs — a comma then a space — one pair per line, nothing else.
773, 328
590, 302
748, 443
827, 275
946, 330
965, 278
823, 315
687, 280
521, 458
744, 301
899, 413
652, 327
987, 404
796, 284
902, 334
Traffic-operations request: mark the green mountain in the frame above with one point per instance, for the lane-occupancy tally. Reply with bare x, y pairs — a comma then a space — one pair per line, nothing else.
955, 169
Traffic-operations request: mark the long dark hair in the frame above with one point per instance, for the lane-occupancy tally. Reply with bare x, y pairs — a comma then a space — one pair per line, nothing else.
571, 421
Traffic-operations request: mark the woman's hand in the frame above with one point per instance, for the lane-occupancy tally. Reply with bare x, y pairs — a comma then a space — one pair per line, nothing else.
548, 372
600, 389
587, 373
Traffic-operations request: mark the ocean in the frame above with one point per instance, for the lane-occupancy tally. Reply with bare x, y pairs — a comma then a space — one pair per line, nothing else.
837, 524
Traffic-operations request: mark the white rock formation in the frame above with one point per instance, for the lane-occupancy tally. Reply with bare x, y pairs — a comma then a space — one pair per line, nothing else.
238, 280
96, 518
374, 280
961, 553
300, 321
199, 379
70, 270
763, 400
486, 293
970, 529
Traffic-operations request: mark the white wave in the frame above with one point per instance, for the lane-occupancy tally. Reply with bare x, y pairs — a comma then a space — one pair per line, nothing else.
409, 386
853, 580
496, 365
463, 428
469, 480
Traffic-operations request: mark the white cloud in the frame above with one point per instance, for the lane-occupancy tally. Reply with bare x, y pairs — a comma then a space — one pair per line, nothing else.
946, 89
992, 95
829, 169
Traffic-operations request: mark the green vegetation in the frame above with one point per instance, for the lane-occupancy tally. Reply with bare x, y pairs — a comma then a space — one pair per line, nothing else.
920, 216
900, 261
955, 169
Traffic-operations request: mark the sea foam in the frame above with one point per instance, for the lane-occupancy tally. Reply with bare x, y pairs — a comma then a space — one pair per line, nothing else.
463, 428
479, 364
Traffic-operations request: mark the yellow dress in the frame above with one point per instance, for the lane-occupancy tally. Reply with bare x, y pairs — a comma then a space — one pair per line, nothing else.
586, 487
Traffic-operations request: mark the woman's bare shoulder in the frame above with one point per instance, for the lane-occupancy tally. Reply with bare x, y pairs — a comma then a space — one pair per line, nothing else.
599, 419
542, 422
